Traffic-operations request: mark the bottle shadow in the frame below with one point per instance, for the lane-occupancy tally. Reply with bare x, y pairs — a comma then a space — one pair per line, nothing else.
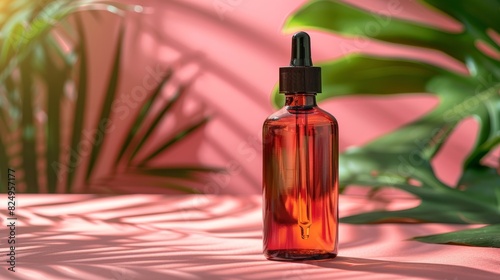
407, 269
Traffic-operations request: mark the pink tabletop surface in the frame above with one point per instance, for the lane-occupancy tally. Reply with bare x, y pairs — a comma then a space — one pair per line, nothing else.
216, 237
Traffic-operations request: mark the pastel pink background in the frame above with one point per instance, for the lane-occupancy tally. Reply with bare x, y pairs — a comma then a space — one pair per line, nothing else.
234, 59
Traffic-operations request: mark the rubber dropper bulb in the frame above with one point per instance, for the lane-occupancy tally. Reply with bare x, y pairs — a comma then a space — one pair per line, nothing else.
300, 76
301, 50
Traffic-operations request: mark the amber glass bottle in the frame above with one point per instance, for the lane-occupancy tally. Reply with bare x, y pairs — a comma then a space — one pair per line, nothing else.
300, 167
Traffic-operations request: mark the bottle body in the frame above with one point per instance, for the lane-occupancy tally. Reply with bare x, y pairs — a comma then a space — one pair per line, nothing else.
300, 181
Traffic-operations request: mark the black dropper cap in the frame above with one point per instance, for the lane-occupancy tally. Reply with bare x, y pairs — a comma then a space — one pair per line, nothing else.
301, 76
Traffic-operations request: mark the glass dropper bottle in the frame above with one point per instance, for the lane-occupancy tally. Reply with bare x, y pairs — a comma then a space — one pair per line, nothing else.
300, 166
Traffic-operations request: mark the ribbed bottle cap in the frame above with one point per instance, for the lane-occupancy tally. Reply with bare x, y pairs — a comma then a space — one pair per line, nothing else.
301, 76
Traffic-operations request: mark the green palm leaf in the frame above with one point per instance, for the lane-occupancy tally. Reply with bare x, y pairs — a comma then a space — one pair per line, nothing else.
29, 57
138, 122
482, 237
79, 106
104, 117
402, 158
174, 139
28, 129
56, 78
4, 159
158, 118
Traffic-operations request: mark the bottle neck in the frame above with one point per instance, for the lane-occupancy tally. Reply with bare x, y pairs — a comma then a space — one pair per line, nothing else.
300, 100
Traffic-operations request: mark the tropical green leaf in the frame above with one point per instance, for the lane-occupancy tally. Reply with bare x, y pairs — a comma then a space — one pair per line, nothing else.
4, 115
4, 164
159, 116
33, 21
24, 31
344, 19
405, 154
32, 59
444, 204
56, 78
477, 17
176, 138
79, 105
138, 121
402, 158
483, 180
488, 236
181, 172
104, 117
28, 129
12, 95
489, 133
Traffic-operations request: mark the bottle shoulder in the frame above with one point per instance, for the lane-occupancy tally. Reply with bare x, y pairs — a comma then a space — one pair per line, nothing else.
315, 116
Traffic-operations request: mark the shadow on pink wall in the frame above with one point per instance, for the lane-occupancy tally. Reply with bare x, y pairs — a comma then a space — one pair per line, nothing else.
234, 53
